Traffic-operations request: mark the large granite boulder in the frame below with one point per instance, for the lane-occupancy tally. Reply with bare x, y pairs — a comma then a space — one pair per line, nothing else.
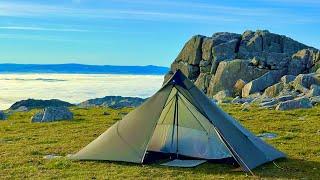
191, 71
262, 82
225, 47
274, 90
51, 114
259, 57
189, 58
192, 51
273, 50
207, 49
203, 81
229, 72
304, 61
306, 80
301, 102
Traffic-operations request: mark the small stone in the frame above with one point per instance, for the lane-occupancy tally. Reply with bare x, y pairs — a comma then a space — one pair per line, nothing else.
267, 135
51, 156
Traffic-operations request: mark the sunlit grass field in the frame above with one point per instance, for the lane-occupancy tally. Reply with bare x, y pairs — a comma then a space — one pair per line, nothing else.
24, 144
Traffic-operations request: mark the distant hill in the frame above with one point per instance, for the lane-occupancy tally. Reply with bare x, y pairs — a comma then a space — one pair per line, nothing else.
37, 103
82, 69
113, 102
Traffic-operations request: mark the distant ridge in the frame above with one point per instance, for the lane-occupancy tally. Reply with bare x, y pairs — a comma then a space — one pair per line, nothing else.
82, 69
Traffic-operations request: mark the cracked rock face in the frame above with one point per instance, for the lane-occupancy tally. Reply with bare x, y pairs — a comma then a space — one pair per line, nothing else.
259, 59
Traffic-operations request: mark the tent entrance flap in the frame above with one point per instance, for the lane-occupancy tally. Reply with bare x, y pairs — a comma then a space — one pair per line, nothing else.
183, 130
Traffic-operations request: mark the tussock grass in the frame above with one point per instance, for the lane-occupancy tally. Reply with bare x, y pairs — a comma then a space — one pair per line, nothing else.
23, 145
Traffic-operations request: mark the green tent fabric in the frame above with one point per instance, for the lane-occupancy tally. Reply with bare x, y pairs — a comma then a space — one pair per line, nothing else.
179, 119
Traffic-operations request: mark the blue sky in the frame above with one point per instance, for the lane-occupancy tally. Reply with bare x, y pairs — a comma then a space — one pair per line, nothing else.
138, 32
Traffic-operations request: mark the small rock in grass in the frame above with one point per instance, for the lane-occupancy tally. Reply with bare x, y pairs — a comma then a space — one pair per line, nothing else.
267, 135
51, 156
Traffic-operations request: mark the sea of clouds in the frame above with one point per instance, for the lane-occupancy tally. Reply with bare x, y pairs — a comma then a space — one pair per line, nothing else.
74, 88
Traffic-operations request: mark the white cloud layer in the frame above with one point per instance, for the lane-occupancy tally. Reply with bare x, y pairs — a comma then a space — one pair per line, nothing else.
74, 88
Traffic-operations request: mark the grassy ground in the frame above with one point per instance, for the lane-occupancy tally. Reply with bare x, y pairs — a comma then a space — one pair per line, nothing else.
23, 145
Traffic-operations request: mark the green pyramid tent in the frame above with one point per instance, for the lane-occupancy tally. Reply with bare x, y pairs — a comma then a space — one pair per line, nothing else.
179, 119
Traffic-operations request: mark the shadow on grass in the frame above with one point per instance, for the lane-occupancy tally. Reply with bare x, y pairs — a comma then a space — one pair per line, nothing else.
287, 169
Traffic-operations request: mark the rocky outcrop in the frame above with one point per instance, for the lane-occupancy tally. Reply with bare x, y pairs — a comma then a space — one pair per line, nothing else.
51, 114
249, 64
113, 102
39, 104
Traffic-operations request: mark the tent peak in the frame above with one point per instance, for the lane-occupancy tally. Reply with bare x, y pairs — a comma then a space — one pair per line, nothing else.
178, 78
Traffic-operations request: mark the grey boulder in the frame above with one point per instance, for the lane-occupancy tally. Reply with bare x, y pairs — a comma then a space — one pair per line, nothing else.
273, 90
306, 80
262, 82
51, 114
229, 72
301, 102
